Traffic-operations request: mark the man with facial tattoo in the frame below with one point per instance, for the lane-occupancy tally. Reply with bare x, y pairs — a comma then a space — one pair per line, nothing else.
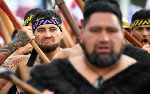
102, 69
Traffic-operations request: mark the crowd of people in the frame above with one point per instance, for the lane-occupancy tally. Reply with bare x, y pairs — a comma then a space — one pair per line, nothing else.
104, 62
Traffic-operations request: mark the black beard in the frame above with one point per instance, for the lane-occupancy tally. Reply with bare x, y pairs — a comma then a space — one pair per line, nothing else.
51, 48
96, 60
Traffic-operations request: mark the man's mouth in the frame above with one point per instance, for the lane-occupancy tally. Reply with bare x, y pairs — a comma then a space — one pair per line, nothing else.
145, 41
103, 49
47, 41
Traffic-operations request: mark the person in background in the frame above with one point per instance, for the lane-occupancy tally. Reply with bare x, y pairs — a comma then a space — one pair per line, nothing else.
126, 28
140, 28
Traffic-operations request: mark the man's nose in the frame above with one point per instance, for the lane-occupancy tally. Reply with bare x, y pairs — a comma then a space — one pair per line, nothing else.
145, 33
47, 34
103, 36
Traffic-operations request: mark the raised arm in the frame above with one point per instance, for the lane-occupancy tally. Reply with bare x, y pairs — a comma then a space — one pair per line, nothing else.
25, 36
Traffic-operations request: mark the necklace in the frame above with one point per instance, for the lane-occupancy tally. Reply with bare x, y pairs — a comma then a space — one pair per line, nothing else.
99, 80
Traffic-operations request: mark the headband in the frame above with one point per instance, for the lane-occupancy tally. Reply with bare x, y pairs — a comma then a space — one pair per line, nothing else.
125, 25
140, 22
27, 20
45, 21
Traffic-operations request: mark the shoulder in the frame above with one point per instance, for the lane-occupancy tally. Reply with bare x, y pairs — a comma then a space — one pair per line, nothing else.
137, 53
48, 68
62, 53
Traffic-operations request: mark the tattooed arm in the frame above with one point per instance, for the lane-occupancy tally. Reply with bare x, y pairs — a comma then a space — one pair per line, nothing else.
11, 62
24, 37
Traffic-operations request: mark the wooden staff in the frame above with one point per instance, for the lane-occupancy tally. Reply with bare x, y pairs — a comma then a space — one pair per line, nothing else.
67, 38
132, 40
5, 32
83, 0
80, 4
6, 9
2, 34
8, 24
4, 73
1, 45
62, 6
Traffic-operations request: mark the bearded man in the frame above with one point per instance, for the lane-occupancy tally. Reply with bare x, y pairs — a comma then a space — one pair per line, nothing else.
46, 25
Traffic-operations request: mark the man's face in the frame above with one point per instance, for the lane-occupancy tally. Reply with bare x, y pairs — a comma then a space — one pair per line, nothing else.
48, 37
102, 39
142, 34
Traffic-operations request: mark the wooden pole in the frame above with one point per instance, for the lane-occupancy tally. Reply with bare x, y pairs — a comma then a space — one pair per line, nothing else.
132, 40
7, 22
83, 0
23, 85
62, 6
67, 38
5, 32
7, 74
80, 4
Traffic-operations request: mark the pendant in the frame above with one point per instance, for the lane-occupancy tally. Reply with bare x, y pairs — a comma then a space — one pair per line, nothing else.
98, 82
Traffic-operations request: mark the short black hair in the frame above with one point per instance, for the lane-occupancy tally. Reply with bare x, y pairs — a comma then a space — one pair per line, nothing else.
141, 15
102, 6
29, 13
90, 2
46, 14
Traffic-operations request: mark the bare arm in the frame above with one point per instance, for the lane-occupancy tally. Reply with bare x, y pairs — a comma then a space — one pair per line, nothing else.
47, 92
61, 54
3, 82
24, 37
6, 88
23, 50
11, 62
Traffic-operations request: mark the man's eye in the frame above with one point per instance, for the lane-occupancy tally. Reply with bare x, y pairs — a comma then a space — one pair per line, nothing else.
139, 29
94, 30
112, 30
148, 29
41, 30
52, 29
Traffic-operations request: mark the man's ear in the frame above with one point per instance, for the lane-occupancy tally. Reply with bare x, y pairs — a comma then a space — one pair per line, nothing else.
123, 32
82, 22
131, 32
81, 36
62, 35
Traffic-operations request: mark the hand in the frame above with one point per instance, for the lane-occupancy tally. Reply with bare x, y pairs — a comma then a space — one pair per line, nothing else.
28, 31
24, 50
25, 36
47, 92
146, 48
